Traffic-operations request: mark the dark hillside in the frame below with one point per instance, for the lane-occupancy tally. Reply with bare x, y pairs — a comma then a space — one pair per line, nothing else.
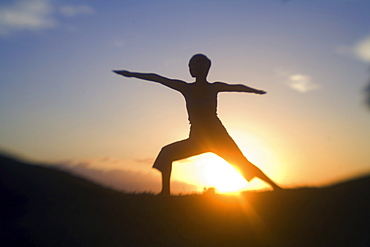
40, 206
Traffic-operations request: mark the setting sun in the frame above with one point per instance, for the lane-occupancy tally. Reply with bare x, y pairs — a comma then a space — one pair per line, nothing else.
221, 175
209, 170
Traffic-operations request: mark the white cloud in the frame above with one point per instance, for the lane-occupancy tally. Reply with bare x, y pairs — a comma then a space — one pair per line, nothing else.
26, 15
71, 11
299, 82
362, 49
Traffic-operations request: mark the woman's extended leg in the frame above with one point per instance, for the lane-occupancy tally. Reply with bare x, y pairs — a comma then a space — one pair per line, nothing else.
172, 152
229, 151
248, 170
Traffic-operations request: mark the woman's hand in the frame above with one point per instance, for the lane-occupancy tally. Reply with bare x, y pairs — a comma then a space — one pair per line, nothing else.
123, 72
260, 92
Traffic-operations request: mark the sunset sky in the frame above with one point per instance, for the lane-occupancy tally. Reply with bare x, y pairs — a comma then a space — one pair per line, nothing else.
61, 104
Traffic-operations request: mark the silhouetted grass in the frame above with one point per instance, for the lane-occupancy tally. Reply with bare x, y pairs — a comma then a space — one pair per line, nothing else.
41, 206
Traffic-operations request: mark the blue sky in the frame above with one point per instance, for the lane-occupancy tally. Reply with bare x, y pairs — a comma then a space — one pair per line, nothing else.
60, 101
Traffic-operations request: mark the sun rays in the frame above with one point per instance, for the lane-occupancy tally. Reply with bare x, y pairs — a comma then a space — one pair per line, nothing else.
222, 176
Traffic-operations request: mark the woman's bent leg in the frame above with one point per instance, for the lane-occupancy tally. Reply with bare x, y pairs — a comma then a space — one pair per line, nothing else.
170, 153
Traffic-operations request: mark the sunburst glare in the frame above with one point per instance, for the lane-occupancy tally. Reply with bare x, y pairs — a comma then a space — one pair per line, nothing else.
221, 175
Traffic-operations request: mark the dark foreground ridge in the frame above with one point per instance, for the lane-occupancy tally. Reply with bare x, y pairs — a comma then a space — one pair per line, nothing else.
41, 206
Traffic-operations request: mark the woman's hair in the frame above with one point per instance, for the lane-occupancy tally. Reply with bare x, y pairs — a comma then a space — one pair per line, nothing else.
201, 59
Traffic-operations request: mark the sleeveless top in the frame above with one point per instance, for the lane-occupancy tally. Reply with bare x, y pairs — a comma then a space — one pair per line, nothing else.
202, 111
201, 105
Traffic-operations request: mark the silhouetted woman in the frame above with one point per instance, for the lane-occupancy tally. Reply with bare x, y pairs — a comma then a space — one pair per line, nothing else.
207, 134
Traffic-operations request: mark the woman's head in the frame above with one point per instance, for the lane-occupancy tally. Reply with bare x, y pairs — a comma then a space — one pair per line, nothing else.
199, 65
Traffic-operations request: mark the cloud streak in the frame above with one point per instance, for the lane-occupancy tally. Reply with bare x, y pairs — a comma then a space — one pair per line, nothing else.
35, 15
26, 15
71, 11
123, 180
117, 43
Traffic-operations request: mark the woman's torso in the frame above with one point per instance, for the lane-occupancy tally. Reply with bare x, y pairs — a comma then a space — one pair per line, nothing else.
201, 103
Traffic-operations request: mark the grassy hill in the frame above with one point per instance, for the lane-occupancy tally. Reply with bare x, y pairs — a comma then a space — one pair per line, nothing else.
41, 206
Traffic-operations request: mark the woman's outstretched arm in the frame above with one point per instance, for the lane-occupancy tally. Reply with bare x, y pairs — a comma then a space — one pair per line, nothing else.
224, 87
171, 83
